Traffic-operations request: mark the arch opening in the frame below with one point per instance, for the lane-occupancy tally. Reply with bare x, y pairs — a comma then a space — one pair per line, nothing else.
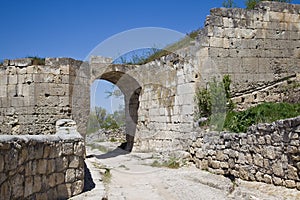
131, 90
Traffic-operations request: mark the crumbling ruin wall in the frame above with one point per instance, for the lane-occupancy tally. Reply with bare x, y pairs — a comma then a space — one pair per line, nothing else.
255, 47
258, 49
266, 153
42, 166
34, 97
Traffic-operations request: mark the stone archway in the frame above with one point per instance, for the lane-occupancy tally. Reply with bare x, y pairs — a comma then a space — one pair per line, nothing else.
117, 74
131, 90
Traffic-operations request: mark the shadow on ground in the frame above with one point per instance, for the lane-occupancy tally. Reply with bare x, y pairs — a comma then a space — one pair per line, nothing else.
114, 153
88, 180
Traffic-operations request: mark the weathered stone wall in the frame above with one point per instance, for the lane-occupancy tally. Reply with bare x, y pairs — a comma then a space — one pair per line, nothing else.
166, 104
255, 47
266, 153
42, 166
34, 97
258, 48
286, 90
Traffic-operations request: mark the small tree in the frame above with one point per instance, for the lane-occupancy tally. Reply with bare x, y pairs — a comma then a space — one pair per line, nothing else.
228, 4
214, 101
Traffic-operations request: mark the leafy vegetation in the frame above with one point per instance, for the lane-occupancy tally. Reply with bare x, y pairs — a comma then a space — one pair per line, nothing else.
263, 113
105, 172
99, 118
172, 163
99, 147
143, 56
213, 102
210, 104
250, 4
37, 60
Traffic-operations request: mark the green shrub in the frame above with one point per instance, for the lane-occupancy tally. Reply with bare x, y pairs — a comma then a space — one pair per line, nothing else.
263, 113
37, 60
213, 102
250, 4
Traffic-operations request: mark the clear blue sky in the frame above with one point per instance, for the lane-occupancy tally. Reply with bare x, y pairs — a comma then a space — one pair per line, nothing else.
72, 28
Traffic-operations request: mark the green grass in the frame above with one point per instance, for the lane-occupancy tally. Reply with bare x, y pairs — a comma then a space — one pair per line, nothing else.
155, 53
185, 42
263, 113
106, 175
172, 163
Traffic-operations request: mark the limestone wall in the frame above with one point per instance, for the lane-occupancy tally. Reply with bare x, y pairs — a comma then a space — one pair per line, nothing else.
258, 48
166, 104
42, 167
34, 97
266, 153
255, 47
286, 90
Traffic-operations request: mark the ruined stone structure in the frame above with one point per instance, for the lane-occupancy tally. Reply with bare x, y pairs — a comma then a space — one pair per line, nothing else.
266, 153
42, 166
34, 97
259, 49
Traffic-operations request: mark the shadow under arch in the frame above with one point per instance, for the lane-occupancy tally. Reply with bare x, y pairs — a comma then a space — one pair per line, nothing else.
131, 90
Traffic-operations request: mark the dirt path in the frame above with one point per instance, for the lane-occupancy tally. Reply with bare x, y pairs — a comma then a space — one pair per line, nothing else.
132, 177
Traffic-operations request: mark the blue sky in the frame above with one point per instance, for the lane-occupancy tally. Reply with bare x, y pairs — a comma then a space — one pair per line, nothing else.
73, 28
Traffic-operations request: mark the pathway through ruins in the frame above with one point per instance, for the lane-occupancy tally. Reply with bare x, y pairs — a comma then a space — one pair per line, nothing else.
131, 177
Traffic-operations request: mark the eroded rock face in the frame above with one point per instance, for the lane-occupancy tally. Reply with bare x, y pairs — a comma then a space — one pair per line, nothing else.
266, 153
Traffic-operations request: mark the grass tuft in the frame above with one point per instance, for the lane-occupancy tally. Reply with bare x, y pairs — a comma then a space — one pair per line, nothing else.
263, 113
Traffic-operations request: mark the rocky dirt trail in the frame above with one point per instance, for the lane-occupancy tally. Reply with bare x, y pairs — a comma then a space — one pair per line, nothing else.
118, 175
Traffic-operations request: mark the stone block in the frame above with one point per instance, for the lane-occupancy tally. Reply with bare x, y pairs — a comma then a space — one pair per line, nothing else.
17, 186
292, 173
11, 90
267, 179
80, 173
243, 173
52, 193
61, 164
77, 187
290, 183
74, 162
1, 164
3, 90
5, 190
51, 166
216, 42
28, 187
3, 79
79, 149
41, 196
42, 166
51, 180
250, 65
70, 175
37, 184
12, 79
277, 181
64, 191
23, 62
59, 178
258, 160
259, 176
